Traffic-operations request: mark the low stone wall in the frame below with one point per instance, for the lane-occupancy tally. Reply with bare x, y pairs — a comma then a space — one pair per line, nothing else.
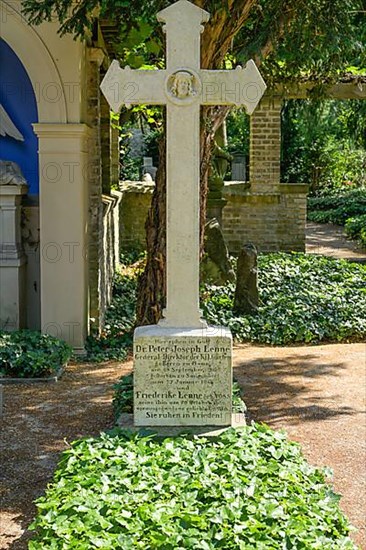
271, 220
135, 204
109, 251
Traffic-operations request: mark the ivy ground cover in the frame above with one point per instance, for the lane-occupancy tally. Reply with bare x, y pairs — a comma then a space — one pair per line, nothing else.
246, 489
303, 298
30, 354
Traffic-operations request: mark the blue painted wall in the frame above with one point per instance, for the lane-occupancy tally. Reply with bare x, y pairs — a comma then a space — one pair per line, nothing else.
19, 101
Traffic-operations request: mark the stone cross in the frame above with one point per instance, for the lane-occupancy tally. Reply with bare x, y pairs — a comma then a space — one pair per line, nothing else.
183, 87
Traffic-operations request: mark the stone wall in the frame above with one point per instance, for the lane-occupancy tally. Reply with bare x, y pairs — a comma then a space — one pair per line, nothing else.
32, 249
271, 220
103, 231
135, 204
110, 258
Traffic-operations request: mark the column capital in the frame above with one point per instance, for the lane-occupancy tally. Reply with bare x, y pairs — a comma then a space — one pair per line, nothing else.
9, 190
63, 131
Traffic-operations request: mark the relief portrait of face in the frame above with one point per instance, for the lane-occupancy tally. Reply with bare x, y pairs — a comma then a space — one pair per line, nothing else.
182, 86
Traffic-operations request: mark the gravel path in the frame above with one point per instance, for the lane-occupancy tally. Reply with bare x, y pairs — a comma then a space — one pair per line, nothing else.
38, 423
329, 240
316, 393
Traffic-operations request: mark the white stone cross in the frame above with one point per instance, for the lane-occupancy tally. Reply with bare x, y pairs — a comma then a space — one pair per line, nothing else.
183, 87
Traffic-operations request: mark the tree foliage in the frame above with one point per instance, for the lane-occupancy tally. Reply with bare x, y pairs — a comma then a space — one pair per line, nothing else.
288, 37
324, 143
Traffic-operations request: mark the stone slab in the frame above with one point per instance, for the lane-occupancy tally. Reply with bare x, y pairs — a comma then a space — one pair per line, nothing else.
182, 377
4, 380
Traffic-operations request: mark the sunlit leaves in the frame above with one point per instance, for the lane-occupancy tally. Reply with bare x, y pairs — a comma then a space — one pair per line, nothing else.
249, 488
303, 298
30, 354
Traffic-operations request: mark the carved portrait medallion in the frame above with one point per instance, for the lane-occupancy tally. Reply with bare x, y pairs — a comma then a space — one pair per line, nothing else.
183, 86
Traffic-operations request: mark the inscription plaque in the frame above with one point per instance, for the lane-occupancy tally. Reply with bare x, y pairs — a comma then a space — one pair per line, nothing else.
182, 379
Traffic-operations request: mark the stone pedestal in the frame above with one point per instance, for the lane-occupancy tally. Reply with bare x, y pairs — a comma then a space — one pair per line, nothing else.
182, 377
12, 259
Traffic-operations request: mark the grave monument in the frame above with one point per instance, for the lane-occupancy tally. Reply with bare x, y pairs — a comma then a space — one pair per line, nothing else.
182, 367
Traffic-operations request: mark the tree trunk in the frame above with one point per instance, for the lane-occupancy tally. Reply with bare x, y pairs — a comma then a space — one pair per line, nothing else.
152, 284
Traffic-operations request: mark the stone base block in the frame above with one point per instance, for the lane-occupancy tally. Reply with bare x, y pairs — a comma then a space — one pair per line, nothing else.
182, 377
125, 421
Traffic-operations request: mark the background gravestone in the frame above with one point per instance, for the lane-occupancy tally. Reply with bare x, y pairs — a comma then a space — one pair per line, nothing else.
246, 298
216, 267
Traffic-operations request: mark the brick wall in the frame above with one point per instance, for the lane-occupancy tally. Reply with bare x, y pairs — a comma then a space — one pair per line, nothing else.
269, 214
95, 229
271, 221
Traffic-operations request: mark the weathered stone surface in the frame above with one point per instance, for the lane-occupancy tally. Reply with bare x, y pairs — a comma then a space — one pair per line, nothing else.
246, 293
215, 266
148, 169
182, 377
135, 204
238, 167
12, 258
11, 173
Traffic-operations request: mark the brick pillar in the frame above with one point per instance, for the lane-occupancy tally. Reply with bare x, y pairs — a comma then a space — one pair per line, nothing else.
265, 145
95, 229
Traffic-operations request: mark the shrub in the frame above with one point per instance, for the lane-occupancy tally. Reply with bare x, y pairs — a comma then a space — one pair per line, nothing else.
356, 228
337, 207
363, 236
123, 396
30, 354
116, 339
342, 163
248, 488
303, 298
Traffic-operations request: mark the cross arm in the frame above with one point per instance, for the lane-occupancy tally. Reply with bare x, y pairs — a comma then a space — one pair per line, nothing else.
133, 87
240, 87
